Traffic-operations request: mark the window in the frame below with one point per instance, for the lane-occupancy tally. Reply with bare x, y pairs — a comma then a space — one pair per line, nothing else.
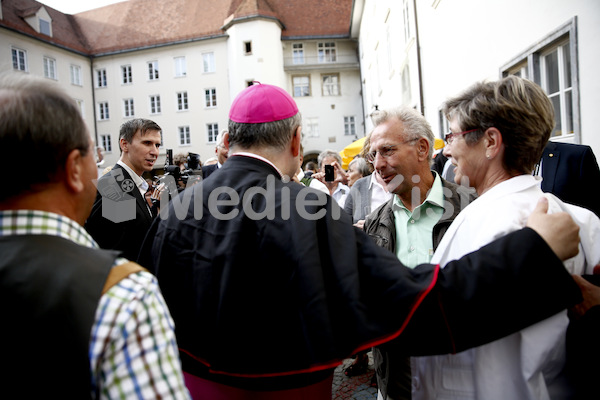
152, 70
103, 111
212, 131
312, 127
184, 136
182, 101
247, 48
19, 58
106, 143
208, 62
556, 81
326, 51
75, 75
301, 86
406, 88
128, 108
349, 126
211, 97
298, 53
126, 74
180, 67
45, 27
49, 67
331, 84
101, 78
552, 64
155, 104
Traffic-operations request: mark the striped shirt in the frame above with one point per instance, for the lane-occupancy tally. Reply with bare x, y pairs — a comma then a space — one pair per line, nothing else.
133, 352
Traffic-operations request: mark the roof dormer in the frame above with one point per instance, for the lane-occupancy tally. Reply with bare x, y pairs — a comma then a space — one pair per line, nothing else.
39, 19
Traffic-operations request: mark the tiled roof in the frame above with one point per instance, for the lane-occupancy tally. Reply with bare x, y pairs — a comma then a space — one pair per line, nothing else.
136, 24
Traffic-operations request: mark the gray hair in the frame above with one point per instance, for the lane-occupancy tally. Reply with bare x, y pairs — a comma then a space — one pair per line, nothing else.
40, 122
329, 153
362, 166
415, 125
275, 134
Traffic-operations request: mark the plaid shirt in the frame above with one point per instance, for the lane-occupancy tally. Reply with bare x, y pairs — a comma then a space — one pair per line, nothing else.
133, 352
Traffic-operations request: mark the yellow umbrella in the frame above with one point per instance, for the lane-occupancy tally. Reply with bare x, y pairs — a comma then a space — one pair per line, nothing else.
351, 151
354, 148
439, 144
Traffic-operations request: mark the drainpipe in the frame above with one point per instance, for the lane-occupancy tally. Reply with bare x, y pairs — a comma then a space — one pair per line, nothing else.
94, 101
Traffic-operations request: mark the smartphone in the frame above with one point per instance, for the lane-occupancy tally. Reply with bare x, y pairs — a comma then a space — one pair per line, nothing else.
329, 173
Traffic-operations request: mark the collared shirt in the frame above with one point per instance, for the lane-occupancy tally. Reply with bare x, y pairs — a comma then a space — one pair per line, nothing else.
141, 184
414, 244
340, 193
379, 194
133, 352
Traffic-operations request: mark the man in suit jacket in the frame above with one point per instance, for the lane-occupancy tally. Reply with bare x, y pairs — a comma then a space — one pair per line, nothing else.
570, 171
120, 217
222, 154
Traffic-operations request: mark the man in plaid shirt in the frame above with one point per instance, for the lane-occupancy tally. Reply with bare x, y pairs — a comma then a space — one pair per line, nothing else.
66, 331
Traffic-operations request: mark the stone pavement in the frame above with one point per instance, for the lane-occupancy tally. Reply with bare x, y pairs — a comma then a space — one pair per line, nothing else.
357, 387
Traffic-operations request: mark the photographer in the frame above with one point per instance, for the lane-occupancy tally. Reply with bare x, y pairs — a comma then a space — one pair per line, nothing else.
332, 175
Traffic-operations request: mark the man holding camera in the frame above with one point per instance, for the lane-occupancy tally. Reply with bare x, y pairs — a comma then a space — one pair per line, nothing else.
332, 175
121, 217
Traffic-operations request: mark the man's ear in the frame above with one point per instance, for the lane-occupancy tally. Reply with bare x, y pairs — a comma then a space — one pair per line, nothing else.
74, 171
423, 148
123, 145
226, 140
296, 139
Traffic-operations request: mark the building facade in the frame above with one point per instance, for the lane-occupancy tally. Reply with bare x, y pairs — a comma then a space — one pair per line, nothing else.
419, 53
182, 63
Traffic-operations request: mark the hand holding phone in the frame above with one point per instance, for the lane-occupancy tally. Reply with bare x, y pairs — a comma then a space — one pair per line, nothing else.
329, 173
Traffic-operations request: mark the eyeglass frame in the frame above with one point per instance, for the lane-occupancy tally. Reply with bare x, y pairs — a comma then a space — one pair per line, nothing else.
391, 149
450, 136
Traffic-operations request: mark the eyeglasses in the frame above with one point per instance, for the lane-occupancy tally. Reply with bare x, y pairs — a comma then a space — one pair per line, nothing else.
450, 136
386, 151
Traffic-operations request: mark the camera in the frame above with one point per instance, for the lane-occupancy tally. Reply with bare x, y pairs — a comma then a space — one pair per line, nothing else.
181, 177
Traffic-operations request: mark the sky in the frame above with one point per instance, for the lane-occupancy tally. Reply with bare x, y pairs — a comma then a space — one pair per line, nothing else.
77, 6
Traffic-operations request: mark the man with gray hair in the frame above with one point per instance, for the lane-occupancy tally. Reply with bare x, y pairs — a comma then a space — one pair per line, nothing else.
337, 188
271, 286
412, 223
221, 153
78, 322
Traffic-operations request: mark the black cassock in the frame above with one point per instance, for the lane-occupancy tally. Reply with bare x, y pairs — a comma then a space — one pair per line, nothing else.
274, 290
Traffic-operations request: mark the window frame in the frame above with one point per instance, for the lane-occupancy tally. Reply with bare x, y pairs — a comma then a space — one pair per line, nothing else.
182, 101
126, 74
208, 62
294, 85
48, 24
530, 61
106, 143
153, 70
155, 104
75, 75
128, 108
19, 56
298, 54
212, 132
210, 98
349, 124
180, 65
338, 84
185, 137
101, 78
326, 54
50, 68
103, 111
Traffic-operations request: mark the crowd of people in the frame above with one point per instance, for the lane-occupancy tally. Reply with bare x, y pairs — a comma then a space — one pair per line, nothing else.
257, 282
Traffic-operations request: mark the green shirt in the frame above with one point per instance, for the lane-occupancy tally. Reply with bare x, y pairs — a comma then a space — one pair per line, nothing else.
414, 238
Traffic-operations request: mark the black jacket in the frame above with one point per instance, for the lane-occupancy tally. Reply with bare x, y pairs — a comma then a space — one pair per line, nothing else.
120, 217
268, 292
